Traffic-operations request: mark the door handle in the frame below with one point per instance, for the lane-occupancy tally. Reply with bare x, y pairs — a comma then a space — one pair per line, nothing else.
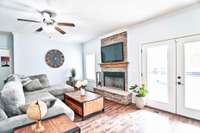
179, 83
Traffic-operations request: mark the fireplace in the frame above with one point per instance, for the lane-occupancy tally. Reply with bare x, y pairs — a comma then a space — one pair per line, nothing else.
114, 79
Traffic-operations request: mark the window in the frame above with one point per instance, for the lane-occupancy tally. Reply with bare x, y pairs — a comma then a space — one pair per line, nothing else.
90, 66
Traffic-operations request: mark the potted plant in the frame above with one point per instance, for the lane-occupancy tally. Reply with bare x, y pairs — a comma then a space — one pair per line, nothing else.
81, 84
141, 93
73, 74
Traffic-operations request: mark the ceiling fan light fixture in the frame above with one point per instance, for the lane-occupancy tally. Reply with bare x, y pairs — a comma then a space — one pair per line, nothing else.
48, 28
49, 24
46, 16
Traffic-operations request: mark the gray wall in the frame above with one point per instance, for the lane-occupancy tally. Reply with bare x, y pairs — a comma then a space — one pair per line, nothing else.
30, 50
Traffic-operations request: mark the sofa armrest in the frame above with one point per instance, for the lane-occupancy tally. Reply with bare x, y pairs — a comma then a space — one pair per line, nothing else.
8, 125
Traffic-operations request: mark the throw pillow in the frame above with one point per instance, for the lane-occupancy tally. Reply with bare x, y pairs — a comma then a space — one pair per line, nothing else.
25, 80
12, 77
33, 85
12, 96
49, 103
3, 115
42, 78
1, 103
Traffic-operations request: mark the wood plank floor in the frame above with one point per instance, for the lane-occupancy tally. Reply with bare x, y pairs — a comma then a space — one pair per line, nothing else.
127, 119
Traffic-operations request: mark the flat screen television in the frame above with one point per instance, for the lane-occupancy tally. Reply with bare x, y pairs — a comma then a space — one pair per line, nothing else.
112, 53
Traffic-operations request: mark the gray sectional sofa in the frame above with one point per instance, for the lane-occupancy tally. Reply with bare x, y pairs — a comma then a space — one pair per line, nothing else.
48, 92
56, 90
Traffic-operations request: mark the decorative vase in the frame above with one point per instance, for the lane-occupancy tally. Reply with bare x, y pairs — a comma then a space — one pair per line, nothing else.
82, 92
140, 102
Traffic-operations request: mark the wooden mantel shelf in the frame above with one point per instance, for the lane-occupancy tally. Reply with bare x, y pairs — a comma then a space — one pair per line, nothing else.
123, 64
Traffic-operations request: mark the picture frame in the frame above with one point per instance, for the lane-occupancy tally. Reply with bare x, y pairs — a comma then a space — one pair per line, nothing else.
5, 61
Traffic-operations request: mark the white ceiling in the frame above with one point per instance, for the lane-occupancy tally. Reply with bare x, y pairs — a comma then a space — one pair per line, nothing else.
91, 17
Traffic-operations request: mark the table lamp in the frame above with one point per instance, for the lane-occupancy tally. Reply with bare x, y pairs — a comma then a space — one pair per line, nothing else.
36, 111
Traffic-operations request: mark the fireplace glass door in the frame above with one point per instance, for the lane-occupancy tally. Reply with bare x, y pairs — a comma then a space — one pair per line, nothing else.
115, 80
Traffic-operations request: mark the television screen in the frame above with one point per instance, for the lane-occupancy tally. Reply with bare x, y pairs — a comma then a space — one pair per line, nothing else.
112, 53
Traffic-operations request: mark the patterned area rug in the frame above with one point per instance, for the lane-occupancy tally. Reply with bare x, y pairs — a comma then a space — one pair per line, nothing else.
136, 122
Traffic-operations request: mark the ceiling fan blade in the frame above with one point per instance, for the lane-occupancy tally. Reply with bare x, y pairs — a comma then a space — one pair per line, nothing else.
60, 30
66, 24
39, 29
28, 20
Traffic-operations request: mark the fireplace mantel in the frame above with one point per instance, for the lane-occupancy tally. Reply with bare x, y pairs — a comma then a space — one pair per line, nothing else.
123, 64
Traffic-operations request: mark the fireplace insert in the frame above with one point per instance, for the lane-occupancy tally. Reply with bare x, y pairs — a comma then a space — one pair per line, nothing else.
114, 80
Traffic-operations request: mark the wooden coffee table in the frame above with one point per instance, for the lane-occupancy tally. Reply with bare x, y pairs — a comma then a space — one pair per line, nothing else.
57, 124
84, 106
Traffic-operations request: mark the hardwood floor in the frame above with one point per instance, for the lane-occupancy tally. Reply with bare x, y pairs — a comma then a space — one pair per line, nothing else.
127, 119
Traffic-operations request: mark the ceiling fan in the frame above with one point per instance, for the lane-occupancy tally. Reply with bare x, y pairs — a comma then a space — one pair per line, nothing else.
48, 22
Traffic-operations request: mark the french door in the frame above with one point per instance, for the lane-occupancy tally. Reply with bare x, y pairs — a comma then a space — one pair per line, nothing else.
188, 77
159, 74
171, 72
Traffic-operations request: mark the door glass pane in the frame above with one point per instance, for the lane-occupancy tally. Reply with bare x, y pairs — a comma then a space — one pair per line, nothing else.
192, 75
157, 70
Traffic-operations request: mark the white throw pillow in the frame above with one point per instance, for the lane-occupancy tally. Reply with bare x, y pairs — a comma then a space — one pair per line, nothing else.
12, 96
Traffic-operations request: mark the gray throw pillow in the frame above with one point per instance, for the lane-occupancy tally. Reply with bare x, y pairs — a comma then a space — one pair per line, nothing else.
12, 77
49, 103
42, 78
3, 115
1, 103
25, 80
12, 96
33, 85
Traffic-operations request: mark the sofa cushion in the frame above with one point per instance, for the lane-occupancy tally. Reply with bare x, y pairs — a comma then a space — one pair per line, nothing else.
42, 78
43, 95
38, 95
58, 90
12, 97
3, 115
33, 85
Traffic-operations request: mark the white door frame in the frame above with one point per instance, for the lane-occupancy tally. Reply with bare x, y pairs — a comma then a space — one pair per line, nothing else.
171, 105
